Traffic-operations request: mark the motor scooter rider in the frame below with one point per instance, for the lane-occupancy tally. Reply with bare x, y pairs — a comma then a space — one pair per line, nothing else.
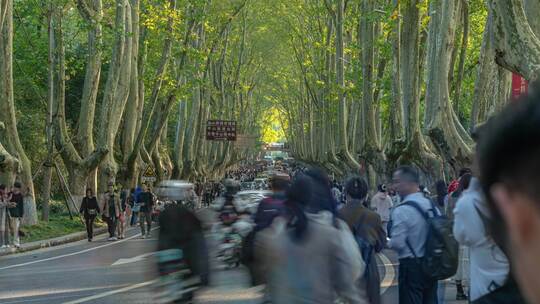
228, 207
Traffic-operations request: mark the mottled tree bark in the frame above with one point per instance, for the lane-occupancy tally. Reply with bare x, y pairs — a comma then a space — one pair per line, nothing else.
10, 135
517, 48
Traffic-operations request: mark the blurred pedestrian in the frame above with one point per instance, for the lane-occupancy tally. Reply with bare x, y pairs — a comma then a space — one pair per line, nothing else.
336, 193
396, 200
368, 231
382, 203
440, 196
451, 201
508, 159
111, 210
130, 205
310, 256
124, 210
90, 210
181, 229
269, 208
228, 206
463, 268
16, 212
4, 202
136, 207
409, 232
272, 206
146, 201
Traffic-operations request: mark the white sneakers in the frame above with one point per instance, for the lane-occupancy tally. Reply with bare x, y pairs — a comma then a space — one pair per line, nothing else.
10, 246
113, 238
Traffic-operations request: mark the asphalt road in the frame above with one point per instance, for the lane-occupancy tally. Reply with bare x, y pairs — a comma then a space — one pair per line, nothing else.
123, 272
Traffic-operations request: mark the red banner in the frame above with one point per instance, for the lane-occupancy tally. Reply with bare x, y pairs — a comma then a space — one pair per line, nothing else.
520, 86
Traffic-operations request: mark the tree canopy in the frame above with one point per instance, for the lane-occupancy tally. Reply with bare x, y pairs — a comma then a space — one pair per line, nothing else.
100, 89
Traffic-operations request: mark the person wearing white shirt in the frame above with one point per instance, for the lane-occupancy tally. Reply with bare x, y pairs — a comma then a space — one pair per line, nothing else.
408, 235
489, 266
381, 203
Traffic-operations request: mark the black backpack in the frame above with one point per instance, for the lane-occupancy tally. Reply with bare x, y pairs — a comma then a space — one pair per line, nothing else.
441, 256
366, 249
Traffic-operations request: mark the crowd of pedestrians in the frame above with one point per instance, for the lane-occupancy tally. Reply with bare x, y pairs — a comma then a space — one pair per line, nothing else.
315, 240
119, 209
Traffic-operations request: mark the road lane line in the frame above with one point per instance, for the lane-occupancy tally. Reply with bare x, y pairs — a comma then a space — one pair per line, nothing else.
48, 294
112, 292
123, 261
389, 273
73, 253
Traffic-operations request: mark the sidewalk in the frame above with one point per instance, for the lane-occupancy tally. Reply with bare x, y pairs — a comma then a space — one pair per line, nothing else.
74, 237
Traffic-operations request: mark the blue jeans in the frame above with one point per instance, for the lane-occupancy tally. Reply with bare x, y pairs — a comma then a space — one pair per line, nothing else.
441, 292
134, 218
414, 286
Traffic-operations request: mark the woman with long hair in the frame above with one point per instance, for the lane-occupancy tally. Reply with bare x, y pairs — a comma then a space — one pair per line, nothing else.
89, 210
310, 255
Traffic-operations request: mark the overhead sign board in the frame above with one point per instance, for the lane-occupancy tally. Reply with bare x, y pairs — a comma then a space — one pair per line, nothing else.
245, 141
221, 130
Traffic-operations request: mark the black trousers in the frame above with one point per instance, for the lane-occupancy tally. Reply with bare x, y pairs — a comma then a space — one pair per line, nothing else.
89, 221
111, 223
145, 217
414, 287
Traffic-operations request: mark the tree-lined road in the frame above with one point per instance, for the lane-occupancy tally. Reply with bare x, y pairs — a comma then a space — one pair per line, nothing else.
123, 272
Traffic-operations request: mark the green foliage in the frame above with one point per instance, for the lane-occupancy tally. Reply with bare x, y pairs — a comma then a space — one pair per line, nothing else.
263, 65
58, 225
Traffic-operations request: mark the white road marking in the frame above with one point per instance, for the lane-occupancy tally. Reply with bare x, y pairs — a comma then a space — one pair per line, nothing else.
133, 259
73, 253
389, 273
112, 292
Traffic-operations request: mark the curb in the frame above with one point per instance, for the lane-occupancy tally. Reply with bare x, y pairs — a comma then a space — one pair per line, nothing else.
74, 237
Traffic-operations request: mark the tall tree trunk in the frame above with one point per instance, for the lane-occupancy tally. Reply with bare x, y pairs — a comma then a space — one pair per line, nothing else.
179, 140
92, 12
397, 127
446, 133
49, 128
79, 168
340, 81
116, 92
134, 103
10, 135
492, 84
463, 51
372, 152
517, 48
416, 150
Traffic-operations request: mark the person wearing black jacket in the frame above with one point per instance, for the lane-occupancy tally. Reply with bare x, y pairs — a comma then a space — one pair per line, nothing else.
368, 230
89, 210
16, 212
181, 229
146, 200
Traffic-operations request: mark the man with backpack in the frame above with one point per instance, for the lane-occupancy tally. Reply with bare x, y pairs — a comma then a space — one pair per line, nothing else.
423, 240
367, 229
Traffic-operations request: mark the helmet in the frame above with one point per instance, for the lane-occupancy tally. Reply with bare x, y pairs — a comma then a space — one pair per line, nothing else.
231, 186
